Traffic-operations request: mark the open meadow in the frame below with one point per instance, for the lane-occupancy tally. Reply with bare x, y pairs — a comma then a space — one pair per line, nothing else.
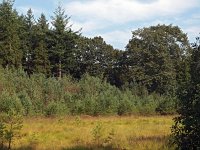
98, 133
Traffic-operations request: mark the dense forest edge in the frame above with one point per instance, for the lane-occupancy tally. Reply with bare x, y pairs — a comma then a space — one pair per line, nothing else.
50, 70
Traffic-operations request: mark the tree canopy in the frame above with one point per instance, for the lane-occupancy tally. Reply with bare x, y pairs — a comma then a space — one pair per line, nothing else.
154, 56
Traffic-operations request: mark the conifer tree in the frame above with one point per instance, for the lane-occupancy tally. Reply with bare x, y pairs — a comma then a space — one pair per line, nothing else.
41, 62
62, 44
10, 52
28, 38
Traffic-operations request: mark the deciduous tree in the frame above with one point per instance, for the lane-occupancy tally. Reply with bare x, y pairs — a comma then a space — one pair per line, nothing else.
153, 57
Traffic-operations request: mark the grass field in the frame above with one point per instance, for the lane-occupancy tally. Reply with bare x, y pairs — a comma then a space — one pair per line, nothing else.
98, 133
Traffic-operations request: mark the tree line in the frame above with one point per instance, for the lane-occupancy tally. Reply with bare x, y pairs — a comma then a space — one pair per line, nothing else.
156, 57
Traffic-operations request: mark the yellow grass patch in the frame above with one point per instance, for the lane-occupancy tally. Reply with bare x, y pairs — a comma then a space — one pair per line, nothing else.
85, 133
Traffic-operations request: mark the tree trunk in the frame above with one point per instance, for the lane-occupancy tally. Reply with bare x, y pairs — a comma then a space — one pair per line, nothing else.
11, 137
9, 144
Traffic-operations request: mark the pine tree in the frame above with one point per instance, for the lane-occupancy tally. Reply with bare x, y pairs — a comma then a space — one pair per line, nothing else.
10, 52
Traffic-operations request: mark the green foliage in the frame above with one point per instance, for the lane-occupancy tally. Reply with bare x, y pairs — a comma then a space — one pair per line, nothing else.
26, 102
142, 79
27, 32
41, 63
62, 44
95, 57
157, 66
10, 52
125, 106
10, 102
186, 130
2, 128
154, 56
38, 95
167, 106
99, 97
10, 125
51, 109
56, 108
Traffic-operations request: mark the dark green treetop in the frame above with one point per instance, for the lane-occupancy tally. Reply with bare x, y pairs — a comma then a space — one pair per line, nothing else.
10, 52
153, 57
41, 63
62, 44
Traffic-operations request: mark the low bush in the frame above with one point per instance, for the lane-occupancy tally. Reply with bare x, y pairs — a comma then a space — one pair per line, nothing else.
38, 95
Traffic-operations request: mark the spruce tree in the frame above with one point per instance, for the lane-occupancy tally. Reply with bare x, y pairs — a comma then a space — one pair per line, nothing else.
41, 62
62, 44
10, 52
27, 34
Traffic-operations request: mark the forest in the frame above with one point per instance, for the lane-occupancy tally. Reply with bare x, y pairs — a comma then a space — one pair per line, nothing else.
49, 70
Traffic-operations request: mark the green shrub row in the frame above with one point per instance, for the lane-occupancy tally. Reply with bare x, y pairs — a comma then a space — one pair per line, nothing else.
38, 95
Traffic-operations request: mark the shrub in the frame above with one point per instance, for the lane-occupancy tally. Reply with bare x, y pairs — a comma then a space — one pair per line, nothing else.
51, 109
10, 125
10, 102
39, 95
166, 106
26, 102
186, 130
2, 127
56, 108
125, 107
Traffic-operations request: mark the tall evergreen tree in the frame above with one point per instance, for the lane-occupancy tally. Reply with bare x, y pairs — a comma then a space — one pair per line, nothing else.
10, 52
62, 44
40, 56
28, 38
